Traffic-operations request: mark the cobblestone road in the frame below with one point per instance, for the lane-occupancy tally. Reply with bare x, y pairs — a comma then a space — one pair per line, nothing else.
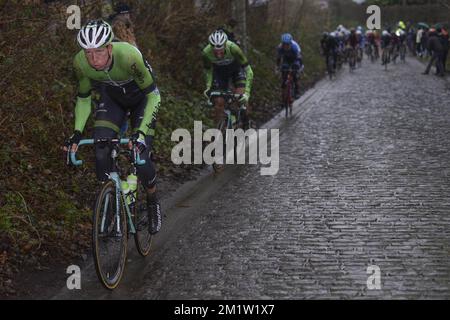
364, 180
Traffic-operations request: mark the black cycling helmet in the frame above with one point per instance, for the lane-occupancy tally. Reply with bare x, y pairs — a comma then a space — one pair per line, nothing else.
123, 8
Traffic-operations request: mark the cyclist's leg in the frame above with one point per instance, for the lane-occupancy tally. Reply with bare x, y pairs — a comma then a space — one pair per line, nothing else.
384, 55
327, 57
220, 82
147, 172
296, 72
284, 75
239, 82
335, 57
109, 117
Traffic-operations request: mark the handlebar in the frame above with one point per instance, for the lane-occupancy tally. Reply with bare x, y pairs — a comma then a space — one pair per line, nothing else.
86, 142
226, 95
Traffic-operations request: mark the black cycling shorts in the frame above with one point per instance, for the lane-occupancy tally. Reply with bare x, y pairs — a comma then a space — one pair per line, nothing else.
223, 76
110, 117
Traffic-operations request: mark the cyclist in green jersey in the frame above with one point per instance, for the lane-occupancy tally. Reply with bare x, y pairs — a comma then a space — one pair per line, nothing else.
224, 62
119, 72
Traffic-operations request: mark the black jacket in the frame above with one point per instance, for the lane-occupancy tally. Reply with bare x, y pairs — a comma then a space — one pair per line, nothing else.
435, 44
444, 41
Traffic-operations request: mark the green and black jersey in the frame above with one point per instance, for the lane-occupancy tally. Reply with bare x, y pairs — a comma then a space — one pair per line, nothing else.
128, 79
233, 54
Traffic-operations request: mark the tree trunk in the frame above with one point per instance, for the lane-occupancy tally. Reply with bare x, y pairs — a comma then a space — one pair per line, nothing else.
239, 12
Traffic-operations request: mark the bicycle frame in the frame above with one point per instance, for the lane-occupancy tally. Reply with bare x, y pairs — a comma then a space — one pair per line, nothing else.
115, 178
229, 98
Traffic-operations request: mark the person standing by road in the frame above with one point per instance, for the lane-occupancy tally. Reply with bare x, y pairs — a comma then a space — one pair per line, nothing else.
437, 50
424, 44
443, 35
419, 47
122, 24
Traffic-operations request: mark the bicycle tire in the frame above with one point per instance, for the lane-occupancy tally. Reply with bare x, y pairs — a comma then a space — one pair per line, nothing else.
330, 64
142, 238
109, 189
352, 61
222, 128
287, 94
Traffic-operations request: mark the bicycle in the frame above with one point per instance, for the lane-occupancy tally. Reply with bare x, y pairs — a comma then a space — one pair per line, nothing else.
233, 119
287, 95
352, 59
394, 53
369, 52
385, 58
340, 59
403, 53
120, 211
330, 65
376, 51
359, 56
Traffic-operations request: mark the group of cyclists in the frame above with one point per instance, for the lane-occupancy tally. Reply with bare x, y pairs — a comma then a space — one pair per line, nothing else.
127, 91
344, 45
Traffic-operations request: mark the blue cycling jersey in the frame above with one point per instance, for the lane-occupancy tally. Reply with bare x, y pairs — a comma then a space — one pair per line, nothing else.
290, 56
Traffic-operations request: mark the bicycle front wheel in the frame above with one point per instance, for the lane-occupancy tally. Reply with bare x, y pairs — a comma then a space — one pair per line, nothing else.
109, 236
287, 97
330, 66
222, 127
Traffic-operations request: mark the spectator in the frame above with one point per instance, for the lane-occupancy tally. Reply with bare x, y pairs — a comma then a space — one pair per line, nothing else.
437, 50
410, 40
122, 24
424, 43
443, 34
419, 42
229, 29
106, 10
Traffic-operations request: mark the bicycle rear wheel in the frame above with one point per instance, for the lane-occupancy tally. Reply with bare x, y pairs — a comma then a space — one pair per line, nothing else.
385, 59
109, 237
287, 96
330, 66
142, 237
352, 61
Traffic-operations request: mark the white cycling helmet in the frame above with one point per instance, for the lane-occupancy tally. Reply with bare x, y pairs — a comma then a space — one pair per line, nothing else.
385, 33
95, 34
218, 39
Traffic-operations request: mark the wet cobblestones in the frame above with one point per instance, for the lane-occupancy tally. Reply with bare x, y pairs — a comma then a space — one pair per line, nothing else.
364, 180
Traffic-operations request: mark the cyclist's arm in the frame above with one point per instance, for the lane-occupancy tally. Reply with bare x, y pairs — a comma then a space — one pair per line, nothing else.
279, 56
243, 61
83, 104
248, 86
146, 82
208, 70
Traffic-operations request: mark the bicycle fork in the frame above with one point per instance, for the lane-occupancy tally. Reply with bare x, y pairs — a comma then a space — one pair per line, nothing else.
114, 177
